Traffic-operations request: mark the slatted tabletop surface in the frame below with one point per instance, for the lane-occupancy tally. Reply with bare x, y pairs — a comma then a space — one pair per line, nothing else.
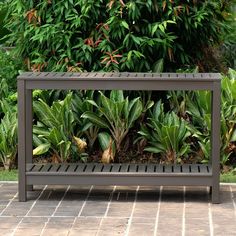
118, 76
118, 169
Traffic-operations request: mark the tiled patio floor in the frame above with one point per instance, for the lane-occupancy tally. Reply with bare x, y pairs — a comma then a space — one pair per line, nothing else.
107, 211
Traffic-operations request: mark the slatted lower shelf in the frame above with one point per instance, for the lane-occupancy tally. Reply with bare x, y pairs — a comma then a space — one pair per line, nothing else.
119, 169
119, 174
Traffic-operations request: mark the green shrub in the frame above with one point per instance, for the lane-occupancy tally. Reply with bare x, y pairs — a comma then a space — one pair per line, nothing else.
116, 114
10, 67
54, 130
166, 134
8, 139
87, 35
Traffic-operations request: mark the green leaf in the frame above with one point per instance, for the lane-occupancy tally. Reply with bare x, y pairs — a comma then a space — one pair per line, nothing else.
124, 24
233, 136
135, 112
95, 119
104, 139
158, 66
153, 150
41, 149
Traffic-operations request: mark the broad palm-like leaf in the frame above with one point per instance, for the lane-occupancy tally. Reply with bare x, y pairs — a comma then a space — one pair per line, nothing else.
115, 113
166, 134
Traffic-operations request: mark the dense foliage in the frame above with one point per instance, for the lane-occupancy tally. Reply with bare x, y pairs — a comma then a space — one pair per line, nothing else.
124, 35
121, 126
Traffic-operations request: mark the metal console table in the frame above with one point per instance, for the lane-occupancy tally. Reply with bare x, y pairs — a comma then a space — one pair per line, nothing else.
115, 174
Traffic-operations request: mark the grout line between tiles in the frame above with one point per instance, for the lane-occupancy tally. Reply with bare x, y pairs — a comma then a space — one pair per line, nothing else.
158, 211
132, 212
210, 217
79, 215
184, 208
46, 223
108, 206
17, 226
36, 200
234, 203
9, 203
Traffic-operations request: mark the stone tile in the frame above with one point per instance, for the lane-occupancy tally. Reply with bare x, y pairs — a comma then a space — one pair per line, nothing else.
168, 226
113, 224
111, 233
60, 223
2, 208
199, 226
94, 209
120, 210
28, 232
68, 211
84, 232
141, 229
6, 232
16, 210
87, 223
9, 222
145, 209
144, 220
147, 196
32, 222
42, 211
61, 232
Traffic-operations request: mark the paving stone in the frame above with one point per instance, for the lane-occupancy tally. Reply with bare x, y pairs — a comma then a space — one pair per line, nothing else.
94, 209
84, 232
92, 221
113, 224
141, 229
61, 232
111, 233
33, 222
120, 210
68, 210
87, 223
42, 211
9, 222
60, 223
16, 210
28, 232
6, 232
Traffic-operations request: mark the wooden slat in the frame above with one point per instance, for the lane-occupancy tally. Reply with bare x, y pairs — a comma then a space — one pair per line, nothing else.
107, 167
37, 168
54, 167
116, 167
124, 167
30, 167
133, 168
89, 167
46, 167
194, 168
177, 169
141, 168
203, 169
72, 168
150, 168
168, 169
98, 167
160, 168
80, 168
63, 168
185, 168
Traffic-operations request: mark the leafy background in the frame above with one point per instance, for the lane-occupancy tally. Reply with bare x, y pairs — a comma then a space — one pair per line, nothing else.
118, 35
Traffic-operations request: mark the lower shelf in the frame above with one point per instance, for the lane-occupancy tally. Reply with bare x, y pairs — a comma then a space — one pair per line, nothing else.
119, 169
119, 174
